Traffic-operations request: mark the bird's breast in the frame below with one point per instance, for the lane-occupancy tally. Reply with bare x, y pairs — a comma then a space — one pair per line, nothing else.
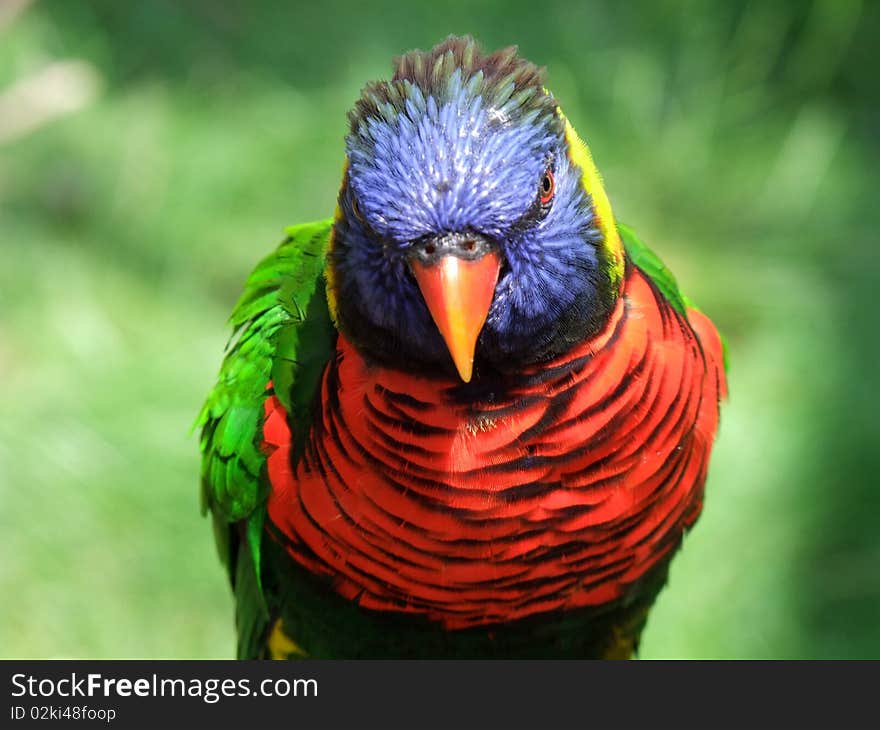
557, 489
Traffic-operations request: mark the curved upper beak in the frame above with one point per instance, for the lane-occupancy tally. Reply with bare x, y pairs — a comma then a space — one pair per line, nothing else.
457, 274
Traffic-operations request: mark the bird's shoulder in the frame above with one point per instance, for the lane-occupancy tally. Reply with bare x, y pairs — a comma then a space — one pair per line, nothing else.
652, 266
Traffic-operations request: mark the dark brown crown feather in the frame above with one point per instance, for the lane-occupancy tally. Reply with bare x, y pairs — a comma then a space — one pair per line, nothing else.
502, 65
505, 80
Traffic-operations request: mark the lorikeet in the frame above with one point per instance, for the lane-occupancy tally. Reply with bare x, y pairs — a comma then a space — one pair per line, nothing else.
469, 416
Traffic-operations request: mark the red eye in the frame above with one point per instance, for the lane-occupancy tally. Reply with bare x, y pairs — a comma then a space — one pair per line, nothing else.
547, 187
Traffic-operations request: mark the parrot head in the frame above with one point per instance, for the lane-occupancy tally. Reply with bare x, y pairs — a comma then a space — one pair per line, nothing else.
472, 232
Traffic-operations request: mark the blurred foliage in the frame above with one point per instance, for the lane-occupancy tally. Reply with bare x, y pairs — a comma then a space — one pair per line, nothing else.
738, 138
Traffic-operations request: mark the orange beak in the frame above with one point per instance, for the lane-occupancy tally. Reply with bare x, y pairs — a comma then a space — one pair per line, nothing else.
458, 293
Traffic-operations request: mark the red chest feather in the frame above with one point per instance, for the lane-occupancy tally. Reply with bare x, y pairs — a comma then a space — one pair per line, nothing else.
559, 492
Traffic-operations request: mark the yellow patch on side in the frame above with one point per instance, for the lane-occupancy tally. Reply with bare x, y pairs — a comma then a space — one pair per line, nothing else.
624, 636
592, 182
329, 275
281, 646
621, 647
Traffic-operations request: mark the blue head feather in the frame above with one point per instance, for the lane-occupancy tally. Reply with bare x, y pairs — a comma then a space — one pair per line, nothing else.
462, 146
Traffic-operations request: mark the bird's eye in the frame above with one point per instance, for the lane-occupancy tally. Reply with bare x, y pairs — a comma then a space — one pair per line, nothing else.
547, 188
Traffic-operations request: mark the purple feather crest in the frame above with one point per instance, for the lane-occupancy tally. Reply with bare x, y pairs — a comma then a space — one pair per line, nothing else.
456, 140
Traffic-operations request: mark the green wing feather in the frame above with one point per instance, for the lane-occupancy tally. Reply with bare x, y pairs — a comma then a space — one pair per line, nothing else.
663, 278
650, 263
282, 333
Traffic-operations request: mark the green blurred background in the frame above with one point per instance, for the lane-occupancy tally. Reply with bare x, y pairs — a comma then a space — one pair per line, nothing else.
150, 154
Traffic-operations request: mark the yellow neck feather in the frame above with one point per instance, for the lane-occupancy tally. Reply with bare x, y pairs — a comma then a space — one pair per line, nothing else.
592, 182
